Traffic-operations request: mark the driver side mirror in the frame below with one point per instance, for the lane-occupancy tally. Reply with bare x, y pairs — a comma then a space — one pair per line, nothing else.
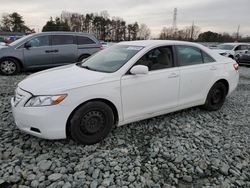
139, 69
27, 45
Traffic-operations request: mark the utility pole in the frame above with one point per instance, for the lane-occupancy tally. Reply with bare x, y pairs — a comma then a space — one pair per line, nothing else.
192, 31
175, 22
238, 33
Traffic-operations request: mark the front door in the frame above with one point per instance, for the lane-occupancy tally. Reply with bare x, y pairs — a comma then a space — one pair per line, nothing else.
37, 54
143, 95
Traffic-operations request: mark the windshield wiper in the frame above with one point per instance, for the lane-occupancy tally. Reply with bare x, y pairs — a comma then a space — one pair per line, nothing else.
87, 67
79, 64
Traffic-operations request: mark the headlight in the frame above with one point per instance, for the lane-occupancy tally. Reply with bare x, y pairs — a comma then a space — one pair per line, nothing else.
37, 101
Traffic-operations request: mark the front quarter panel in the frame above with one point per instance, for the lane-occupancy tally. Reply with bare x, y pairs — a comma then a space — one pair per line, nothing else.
12, 52
108, 91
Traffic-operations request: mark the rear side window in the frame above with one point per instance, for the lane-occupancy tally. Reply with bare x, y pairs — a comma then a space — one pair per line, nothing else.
62, 39
188, 55
84, 40
207, 58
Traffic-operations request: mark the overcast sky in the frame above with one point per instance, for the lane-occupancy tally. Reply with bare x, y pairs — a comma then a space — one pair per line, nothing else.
214, 15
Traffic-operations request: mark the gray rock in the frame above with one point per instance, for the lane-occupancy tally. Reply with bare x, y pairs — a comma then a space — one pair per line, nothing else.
34, 183
187, 178
131, 178
179, 159
106, 182
44, 165
224, 168
31, 177
14, 178
113, 163
95, 173
94, 184
54, 177
66, 185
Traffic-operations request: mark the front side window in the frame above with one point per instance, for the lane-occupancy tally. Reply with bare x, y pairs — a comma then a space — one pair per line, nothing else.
62, 39
188, 55
158, 58
84, 40
39, 41
111, 59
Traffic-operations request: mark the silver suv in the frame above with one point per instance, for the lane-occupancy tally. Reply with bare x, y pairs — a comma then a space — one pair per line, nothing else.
48, 49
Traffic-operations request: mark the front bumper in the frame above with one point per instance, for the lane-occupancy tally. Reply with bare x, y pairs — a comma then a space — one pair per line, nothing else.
47, 122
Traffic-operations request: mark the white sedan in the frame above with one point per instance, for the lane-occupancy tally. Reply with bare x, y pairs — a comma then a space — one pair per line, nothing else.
127, 82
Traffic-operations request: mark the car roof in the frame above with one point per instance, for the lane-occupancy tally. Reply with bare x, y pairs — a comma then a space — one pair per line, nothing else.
236, 43
148, 43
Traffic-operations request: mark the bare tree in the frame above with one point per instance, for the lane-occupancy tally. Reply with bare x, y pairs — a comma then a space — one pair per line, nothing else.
144, 32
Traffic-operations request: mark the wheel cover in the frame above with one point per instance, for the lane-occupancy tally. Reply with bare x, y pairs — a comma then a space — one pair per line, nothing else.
92, 122
8, 67
217, 96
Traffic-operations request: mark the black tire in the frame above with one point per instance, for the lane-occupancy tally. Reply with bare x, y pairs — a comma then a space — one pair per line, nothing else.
91, 123
216, 97
82, 57
9, 66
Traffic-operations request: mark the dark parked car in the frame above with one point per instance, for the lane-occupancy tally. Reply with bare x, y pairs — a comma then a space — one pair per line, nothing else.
47, 49
244, 59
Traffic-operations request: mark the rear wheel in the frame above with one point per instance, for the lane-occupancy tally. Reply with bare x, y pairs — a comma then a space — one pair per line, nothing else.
91, 123
9, 66
216, 97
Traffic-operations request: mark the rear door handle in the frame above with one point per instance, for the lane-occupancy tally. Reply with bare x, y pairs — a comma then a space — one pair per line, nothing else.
55, 51
48, 51
213, 68
173, 75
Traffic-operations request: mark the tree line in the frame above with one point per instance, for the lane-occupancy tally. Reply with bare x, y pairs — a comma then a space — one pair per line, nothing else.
101, 25
13, 23
115, 29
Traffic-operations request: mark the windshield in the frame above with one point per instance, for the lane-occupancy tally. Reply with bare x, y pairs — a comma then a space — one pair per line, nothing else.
111, 59
225, 47
18, 40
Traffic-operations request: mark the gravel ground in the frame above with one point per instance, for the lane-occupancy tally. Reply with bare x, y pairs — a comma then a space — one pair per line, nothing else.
190, 148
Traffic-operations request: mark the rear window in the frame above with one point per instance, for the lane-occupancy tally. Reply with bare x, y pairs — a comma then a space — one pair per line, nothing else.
62, 39
84, 40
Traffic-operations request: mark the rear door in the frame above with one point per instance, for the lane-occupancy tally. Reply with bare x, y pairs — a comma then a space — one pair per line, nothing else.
197, 72
64, 49
38, 53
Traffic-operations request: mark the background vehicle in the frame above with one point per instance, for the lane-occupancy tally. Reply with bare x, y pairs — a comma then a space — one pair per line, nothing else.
232, 49
124, 83
244, 59
48, 49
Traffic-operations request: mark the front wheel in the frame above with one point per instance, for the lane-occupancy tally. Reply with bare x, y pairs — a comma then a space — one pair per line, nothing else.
216, 97
91, 123
9, 66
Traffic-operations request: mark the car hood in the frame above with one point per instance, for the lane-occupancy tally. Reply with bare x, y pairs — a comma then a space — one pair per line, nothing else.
221, 51
60, 79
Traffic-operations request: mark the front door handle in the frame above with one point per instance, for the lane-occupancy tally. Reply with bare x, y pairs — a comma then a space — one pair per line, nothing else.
173, 75
213, 68
48, 51
55, 51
